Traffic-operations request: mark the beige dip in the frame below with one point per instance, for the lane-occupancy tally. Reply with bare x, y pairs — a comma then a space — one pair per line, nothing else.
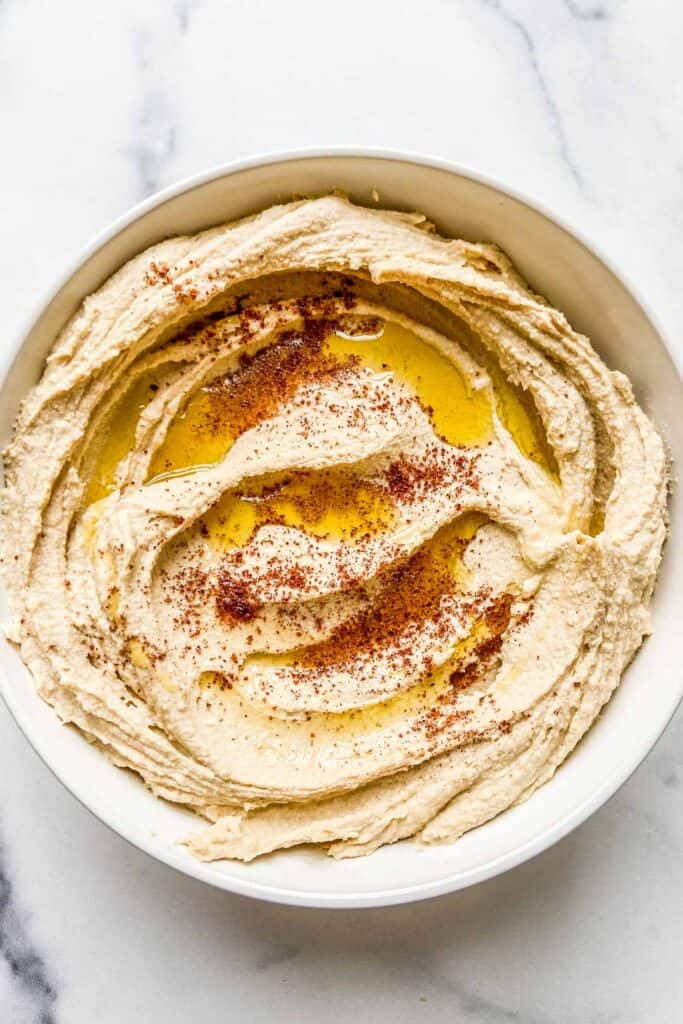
330, 529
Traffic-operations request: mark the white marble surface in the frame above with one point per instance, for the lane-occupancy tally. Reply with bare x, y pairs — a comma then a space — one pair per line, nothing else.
579, 102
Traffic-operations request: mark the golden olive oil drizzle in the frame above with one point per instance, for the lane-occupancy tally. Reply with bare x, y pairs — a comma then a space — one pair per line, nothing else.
519, 415
200, 434
339, 504
196, 438
459, 414
117, 438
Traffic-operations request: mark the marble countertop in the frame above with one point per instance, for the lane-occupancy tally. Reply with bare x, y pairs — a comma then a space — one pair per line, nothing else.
578, 102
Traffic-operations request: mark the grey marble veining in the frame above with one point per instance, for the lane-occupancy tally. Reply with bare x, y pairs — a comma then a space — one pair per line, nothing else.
586, 12
154, 145
27, 986
524, 29
578, 102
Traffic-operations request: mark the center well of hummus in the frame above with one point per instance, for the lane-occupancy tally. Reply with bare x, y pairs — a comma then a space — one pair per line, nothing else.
218, 411
320, 350
330, 568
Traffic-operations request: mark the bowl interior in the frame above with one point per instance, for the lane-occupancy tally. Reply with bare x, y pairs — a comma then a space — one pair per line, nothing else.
575, 280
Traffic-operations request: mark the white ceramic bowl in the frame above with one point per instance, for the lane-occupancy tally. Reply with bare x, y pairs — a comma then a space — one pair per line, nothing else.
592, 294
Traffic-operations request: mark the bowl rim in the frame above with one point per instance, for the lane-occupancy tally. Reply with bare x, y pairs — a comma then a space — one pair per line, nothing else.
327, 899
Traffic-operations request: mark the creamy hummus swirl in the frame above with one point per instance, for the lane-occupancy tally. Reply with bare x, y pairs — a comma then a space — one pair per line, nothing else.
330, 529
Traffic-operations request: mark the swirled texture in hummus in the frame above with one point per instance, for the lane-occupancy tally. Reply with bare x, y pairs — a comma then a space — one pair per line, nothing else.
330, 529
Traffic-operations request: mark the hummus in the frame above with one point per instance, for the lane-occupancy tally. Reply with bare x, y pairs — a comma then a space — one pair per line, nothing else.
330, 529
